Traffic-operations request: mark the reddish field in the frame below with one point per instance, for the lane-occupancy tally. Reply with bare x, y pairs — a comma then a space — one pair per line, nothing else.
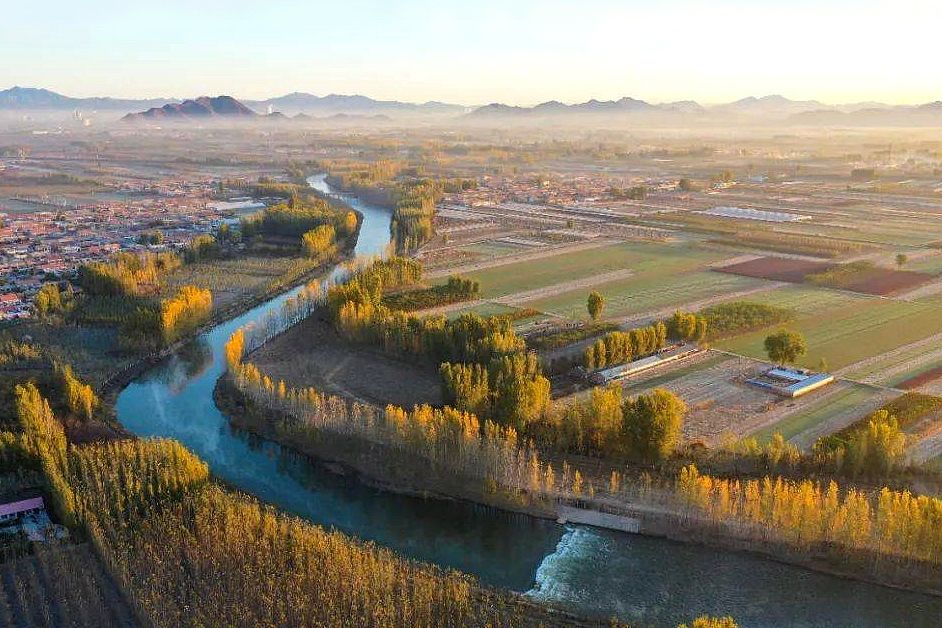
875, 280
883, 281
920, 380
776, 268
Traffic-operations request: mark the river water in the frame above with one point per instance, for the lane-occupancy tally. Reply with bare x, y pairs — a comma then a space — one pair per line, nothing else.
649, 581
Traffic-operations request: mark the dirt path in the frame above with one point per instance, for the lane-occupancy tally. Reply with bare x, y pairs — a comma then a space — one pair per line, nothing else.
520, 257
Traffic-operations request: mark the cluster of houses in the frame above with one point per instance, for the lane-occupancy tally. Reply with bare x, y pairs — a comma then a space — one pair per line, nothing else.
568, 190
50, 243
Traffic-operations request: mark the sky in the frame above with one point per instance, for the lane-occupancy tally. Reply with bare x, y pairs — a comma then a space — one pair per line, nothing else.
478, 51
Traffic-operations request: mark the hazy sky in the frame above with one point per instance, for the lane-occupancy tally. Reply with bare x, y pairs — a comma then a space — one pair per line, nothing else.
478, 51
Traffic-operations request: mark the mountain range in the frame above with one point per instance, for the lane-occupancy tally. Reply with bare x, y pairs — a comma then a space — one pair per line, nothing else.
774, 108
32, 98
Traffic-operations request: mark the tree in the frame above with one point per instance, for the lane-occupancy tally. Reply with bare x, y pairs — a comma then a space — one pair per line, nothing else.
876, 449
705, 621
785, 347
653, 424
685, 185
48, 300
595, 305
901, 259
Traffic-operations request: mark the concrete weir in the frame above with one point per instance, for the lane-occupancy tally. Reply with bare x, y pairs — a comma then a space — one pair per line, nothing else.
568, 514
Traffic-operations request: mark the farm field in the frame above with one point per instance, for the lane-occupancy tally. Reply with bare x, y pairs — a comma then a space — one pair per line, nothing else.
807, 299
721, 402
859, 329
484, 309
831, 409
926, 264
875, 280
63, 586
233, 279
638, 256
647, 293
896, 367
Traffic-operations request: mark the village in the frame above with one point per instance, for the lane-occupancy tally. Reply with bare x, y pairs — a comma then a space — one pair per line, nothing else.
47, 238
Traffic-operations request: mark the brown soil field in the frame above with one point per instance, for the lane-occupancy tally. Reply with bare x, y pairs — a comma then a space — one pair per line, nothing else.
775, 268
313, 354
921, 380
884, 281
877, 281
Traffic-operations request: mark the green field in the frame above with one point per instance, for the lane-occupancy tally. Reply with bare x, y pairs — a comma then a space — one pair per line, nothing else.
665, 259
844, 329
647, 292
484, 309
928, 264
900, 363
854, 395
494, 249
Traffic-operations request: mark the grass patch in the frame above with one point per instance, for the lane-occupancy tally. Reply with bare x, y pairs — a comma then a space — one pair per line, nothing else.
649, 292
641, 257
851, 397
569, 336
860, 328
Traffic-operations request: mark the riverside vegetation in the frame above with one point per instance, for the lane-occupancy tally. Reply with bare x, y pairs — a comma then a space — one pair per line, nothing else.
185, 551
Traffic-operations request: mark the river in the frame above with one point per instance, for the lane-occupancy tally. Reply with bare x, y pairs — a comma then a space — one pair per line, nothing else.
651, 581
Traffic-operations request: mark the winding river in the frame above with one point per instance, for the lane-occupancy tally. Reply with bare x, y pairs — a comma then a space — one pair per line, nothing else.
651, 581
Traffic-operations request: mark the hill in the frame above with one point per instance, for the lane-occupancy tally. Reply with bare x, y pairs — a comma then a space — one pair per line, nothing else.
200, 108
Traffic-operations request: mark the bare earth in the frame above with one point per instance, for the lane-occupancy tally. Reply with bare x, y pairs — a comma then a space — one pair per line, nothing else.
312, 354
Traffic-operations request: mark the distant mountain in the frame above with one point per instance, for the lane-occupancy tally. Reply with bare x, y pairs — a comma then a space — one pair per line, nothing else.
683, 106
929, 114
496, 109
331, 104
32, 98
201, 108
774, 105
773, 109
556, 109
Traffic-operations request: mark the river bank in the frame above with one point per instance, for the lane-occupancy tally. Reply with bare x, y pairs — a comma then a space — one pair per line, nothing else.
114, 383
383, 468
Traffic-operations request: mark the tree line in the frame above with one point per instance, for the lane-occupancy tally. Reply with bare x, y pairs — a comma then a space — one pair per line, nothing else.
618, 347
896, 526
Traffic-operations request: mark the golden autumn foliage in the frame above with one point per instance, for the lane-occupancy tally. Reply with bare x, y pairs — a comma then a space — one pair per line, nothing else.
802, 513
79, 396
188, 552
320, 242
184, 312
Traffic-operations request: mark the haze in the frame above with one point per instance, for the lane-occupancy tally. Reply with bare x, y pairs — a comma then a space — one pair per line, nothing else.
472, 53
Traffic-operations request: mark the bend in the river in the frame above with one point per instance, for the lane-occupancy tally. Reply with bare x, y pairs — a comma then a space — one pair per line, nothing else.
587, 570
